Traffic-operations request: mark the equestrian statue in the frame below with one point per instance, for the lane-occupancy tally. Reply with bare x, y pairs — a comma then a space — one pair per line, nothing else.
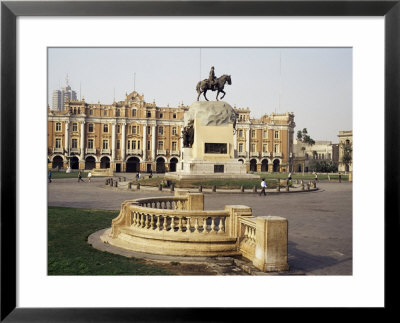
213, 83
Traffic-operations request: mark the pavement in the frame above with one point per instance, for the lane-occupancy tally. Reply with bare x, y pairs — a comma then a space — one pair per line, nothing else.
320, 222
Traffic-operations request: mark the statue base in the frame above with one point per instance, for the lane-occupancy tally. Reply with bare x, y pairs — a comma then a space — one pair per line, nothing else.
203, 169
211, 154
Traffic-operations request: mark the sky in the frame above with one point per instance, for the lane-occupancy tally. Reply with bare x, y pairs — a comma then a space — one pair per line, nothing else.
313, 83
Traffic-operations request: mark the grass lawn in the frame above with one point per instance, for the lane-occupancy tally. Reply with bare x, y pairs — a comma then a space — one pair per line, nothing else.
70, 254
73, 174
219, 183
271, 179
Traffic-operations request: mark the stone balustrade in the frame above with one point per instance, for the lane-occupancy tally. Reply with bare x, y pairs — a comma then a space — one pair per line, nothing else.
179, 226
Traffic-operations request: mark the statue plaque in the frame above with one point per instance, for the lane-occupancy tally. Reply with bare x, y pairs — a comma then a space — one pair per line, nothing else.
215, 148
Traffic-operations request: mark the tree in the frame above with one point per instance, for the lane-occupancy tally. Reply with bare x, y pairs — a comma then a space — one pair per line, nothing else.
325, 166
304, 137
347, 152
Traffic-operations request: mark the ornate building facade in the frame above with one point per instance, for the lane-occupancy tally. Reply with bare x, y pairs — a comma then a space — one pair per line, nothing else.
133, 135
346, 151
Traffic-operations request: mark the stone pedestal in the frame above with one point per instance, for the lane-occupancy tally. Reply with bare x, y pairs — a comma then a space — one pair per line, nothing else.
271, 243
211, 154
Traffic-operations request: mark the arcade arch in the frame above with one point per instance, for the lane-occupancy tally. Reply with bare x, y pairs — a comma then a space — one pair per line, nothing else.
253, 165
132, 165
104, 162
172, 164
276, 166
264, 165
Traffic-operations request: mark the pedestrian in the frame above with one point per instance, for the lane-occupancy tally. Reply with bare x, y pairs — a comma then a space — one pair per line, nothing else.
263, 187
289, 179
80, 177
89, 176
151, 174
340, 177
49, 176
316, 177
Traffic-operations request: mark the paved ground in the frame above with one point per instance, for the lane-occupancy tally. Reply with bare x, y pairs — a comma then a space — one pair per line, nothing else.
320, 223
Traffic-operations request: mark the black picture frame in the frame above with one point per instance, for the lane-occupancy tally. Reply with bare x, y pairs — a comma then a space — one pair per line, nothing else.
10, 10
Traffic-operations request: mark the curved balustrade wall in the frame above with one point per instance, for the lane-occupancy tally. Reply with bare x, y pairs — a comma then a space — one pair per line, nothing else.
179, 226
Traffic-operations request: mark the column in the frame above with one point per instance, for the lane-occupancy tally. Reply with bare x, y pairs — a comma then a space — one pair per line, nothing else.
248, 143
66, 143
153, 142
181, 147
235, 144
113, 142
82, 157
144, 145
123, 142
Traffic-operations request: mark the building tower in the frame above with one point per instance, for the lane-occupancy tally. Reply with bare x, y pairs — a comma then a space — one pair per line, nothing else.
61, 96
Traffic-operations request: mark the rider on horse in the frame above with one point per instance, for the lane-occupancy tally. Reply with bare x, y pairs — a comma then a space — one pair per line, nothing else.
211, 78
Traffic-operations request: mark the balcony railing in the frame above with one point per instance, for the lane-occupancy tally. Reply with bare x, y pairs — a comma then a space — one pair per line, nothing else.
241, 153
277, 154
254, 154
134, 152
75, 150
105, 151
161, 152
265, 154
174, 152
91, 150
58, 150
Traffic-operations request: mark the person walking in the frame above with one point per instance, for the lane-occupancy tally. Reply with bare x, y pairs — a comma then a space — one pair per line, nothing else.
289, 178
80, 177
89, 176
263, 187
316, 177
49, 176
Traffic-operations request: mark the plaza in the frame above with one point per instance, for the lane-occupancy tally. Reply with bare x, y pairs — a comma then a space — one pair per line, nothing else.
320, 222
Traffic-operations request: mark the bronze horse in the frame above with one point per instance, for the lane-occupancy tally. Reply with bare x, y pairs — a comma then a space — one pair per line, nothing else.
219, 84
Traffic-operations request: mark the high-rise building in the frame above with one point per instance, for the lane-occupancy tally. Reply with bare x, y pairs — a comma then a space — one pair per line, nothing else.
60, 97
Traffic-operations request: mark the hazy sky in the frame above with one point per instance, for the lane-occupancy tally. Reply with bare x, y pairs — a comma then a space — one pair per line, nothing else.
313, 83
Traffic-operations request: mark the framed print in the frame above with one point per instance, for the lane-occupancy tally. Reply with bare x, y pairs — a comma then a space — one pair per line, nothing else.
31, 29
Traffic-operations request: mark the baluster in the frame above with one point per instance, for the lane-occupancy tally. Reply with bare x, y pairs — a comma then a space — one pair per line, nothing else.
134, 219
164, 223
196, 225
170, 205
212, 225
146, 223
253, 234
221, 224
172, 224
158, 222
188, 225
152, 221
141, 220
205, 225
246, 232
180, 224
